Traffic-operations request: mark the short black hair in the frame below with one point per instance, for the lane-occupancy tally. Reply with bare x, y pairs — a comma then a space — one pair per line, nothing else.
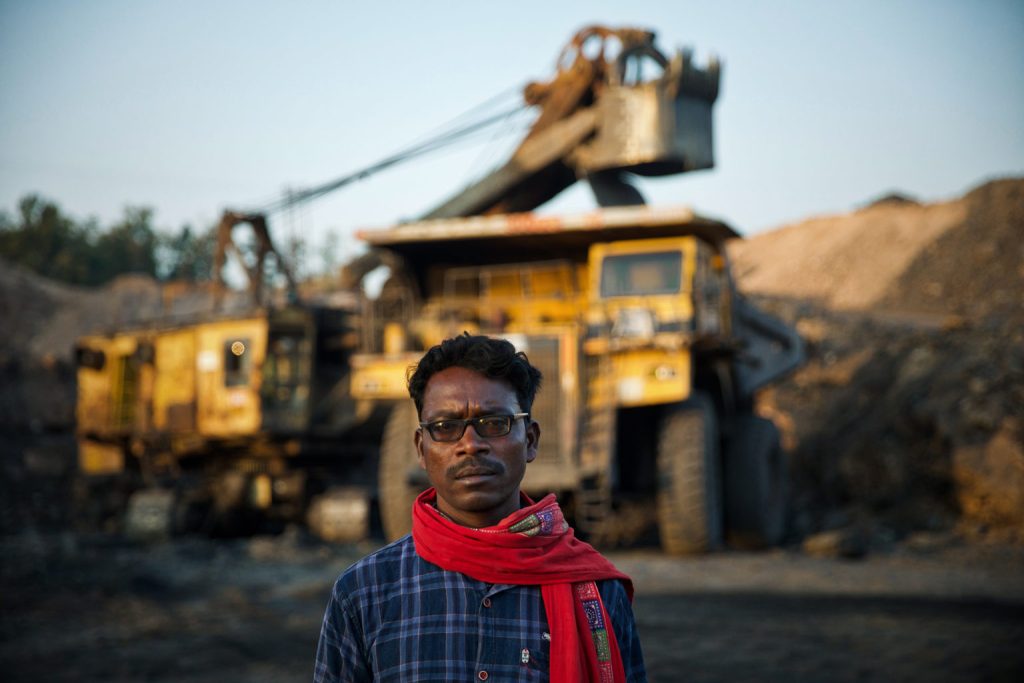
492, 358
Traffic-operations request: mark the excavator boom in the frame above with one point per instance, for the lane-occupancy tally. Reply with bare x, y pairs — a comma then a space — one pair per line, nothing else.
598, 121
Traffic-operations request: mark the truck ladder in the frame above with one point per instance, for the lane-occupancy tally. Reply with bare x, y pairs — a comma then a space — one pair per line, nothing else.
124, 393
594, 496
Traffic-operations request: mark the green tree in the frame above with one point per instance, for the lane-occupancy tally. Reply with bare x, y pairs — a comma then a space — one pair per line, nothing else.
46, 241
188, 256
52, 244
128, 247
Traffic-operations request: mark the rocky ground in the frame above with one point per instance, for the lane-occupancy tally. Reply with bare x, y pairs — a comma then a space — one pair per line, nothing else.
96, 608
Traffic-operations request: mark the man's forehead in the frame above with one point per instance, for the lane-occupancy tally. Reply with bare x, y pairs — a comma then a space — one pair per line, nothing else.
461, 385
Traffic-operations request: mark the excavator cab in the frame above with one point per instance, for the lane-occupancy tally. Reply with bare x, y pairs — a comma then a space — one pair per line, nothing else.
287, 370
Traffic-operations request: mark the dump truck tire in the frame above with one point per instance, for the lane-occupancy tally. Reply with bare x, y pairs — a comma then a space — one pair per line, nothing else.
689, 478
755, 484
397, 457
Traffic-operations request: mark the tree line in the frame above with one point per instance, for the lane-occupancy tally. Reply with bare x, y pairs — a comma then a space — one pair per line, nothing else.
48, 241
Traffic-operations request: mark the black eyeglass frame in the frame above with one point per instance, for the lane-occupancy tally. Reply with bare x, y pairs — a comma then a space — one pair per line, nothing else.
475, 421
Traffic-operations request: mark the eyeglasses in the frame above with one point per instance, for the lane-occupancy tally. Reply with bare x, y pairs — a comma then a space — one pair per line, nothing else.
488, 427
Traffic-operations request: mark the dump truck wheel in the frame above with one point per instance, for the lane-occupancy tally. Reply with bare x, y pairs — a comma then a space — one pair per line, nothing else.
689, 479
755, 484
397, 458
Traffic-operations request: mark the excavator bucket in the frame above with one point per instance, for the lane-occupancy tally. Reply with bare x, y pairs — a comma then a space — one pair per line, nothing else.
656, 127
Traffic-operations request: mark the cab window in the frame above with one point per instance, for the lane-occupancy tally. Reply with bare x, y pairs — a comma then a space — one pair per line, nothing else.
642, 274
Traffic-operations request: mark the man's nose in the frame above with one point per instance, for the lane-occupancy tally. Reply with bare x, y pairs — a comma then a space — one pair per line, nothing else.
472, 442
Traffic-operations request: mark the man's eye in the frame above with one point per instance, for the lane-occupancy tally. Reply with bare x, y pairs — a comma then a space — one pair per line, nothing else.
493, 421
446, 426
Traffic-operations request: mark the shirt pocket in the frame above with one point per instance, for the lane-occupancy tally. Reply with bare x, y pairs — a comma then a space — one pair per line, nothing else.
535, 658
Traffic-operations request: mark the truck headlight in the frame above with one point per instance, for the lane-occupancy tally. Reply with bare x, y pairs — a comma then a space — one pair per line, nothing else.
664, 372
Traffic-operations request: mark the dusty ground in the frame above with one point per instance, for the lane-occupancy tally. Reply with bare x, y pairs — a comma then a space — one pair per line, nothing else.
95, 608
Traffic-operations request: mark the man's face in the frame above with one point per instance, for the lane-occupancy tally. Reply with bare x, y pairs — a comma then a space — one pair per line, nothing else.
477, 479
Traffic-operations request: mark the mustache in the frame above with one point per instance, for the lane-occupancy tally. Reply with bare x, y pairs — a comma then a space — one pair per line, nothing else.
477, 466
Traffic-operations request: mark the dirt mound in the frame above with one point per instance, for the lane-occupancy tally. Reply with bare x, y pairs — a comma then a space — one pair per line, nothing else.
48, 316
963, 257
902, 427
908, 411
43, 318
976, 268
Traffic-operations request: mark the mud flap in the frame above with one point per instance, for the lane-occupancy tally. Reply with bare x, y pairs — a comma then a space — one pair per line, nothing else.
770, 347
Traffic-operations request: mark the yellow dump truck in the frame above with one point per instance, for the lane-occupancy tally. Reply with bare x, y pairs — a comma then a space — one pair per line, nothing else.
649, 355
214, 419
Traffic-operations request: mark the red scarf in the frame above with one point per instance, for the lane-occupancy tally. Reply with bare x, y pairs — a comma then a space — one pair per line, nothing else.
535, 547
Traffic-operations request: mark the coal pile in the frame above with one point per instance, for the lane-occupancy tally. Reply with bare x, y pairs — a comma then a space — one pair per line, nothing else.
908, 414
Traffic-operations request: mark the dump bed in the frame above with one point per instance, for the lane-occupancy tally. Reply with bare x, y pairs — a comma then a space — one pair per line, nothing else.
523, 237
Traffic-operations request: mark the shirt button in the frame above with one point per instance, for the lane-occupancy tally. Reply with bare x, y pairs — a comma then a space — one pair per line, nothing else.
482, 675
487, 603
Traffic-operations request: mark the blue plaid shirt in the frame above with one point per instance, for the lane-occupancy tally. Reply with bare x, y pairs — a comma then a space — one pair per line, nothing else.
395, 617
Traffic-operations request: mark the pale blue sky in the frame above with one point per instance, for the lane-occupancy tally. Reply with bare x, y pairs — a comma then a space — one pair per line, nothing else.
190, 107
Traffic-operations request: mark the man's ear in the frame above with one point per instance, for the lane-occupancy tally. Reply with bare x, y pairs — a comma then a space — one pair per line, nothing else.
417, 438
532, 440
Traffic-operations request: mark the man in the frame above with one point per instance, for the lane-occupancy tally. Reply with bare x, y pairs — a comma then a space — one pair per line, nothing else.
489, 585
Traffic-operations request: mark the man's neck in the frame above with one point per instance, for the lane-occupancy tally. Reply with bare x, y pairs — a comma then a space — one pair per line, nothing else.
480, 520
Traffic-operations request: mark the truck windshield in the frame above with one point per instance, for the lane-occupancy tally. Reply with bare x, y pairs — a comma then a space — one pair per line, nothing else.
657, 272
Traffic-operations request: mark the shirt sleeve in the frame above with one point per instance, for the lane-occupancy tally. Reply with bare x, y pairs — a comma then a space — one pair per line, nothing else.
616, 603
340, 655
